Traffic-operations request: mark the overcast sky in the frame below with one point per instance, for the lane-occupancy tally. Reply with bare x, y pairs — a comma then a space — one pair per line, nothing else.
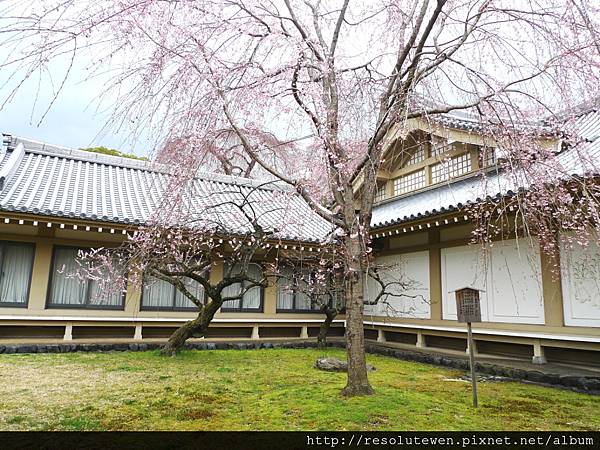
73, 121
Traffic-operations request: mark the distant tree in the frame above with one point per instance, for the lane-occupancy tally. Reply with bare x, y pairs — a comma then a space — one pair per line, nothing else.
183, 249
323, 283
112, 152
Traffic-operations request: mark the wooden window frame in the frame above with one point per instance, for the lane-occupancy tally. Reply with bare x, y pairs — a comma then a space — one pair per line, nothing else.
294, 309
86, 304
465, 148
171, 308
244, 284
31, 245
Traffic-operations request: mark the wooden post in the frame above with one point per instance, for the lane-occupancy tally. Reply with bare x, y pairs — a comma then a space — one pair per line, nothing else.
472, 364
420, 339
68, 332
304, 332
468, 309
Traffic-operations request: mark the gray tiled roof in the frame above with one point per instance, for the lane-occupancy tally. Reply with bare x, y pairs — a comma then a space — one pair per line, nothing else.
52, 181
586, 157
443, 199
59, 182
454, 196
470, 120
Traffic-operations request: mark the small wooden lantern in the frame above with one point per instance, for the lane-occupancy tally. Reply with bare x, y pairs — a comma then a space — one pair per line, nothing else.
468, 310
468, 307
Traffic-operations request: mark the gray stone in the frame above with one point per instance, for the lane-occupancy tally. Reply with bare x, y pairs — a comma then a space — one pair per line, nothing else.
497, 370
336, 365
10, 349
552, 378
447, 362
590, 384
423, 357
569, 380
25, 349
454, 363
536, 376
435, 359
484, 378
484, 367
519, 374
463, 364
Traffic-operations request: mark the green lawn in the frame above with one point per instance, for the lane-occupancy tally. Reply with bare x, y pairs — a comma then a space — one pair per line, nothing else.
264, 390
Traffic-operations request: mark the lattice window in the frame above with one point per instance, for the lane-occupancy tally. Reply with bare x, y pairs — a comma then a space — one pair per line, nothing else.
417, 157
380, 194
452, 168
439, 145
410, 182
487, 157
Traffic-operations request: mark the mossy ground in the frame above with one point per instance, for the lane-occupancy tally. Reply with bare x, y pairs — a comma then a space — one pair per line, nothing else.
265, 390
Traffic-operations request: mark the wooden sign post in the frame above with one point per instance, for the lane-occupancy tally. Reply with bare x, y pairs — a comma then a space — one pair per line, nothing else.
468, 310
472, 364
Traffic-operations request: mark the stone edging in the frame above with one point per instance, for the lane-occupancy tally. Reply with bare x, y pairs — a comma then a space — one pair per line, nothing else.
586, 384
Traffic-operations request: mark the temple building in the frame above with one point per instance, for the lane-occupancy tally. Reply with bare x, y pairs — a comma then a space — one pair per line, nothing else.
56, 201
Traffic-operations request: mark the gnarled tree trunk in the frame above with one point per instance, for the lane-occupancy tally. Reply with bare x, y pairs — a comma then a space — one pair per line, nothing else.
197, 327
330, 314
182, 334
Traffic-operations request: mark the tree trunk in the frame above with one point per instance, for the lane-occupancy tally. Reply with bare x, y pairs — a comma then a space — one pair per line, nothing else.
330, 314
178, 339
198, 326
358, 382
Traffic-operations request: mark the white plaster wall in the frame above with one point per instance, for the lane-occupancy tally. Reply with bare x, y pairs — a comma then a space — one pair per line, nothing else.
580, 272
462, 266
412, 268
515, 283
509, 274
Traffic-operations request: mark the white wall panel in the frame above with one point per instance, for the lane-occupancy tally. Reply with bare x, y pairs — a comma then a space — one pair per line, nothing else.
509, 274
409, 267
580, 271
515, 283
462, 267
